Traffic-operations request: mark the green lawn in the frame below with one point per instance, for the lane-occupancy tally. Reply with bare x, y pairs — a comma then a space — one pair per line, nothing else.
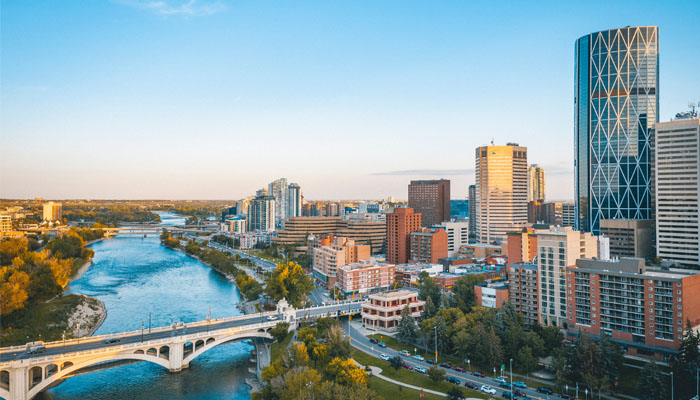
277, 347
389, 391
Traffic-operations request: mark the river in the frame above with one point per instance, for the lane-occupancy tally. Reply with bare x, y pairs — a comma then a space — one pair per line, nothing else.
135, 276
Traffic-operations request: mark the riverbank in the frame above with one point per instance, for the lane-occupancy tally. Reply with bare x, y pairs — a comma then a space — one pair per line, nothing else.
87, 317
228, 276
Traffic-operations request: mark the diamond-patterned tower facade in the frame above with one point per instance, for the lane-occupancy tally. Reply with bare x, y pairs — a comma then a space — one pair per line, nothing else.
616, 106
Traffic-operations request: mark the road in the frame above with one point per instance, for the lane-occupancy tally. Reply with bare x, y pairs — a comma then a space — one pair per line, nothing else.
260, 262
135, 338
362, 343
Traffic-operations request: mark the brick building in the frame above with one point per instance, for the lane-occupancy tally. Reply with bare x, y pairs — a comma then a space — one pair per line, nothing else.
428, 245
365, 276
399, 225
383, 310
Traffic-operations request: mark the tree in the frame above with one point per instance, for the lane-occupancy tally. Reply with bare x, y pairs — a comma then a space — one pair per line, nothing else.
297, 355
436, 374
526, 360
289, 281
652, 383
463, 291
337, 345
455, 393
279, 332
299, 383
428, 309
396, 362
407, 327
551, 336
333, 391
560, 367
494, 353
346, 372
428, 288
612, 359
684, 363
13, 289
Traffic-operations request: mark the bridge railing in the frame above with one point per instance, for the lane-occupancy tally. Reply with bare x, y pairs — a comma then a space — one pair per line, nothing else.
139, 345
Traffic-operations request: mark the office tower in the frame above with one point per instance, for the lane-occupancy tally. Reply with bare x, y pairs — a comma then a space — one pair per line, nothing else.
677, 169
297, 229
535, 183
278, 190
261, 213
457, 235
616, 106
568, 213
431, 199
428, 245
643, 308
472, 213
501, 191
629, 237
294, 200
399, 225
558, 249
53, 211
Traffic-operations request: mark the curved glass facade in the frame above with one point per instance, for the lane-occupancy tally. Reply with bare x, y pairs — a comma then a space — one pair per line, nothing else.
615, 109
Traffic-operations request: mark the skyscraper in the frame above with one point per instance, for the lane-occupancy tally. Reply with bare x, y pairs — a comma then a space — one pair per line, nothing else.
535, 183
261, 213
278, 190
616, 106
501, 191
472, 213
294, 200
399, 226
431, 199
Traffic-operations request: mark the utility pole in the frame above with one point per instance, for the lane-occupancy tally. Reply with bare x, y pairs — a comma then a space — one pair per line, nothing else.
64, 342
436, 352
671, 385
511, 376
149, 322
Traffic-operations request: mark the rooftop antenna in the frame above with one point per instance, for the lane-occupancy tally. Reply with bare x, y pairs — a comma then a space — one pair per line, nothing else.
692, 105
492, 144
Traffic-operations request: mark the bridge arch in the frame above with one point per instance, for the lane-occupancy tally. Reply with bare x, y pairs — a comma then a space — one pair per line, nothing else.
39, 387
221, 340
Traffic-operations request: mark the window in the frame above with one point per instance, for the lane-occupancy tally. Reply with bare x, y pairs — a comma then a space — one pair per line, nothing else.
651, 296
679, 314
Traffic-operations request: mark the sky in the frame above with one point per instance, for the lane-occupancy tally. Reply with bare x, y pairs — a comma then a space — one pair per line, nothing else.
213, 99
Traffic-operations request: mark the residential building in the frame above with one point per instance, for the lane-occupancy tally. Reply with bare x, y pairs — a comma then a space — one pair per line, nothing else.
616, 106
568, 213
365, 276
278, 190
490, 272
295, 200
237, 225
431, 199
428, 245
399, 225
261, 213
643, 308
408, 274
457, 235
296, 230
5, 223
491, 294
472, 213
522, 246
677, 171
523, 294
335, 252
558, 249
629, 237
535, 183
383, 310
501, 191
53, 211
478, 251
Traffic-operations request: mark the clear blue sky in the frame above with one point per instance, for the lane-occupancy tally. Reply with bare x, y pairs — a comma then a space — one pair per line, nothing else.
351, 99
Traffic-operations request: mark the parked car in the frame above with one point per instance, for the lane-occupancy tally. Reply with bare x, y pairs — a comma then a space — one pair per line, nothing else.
504, 385
454, 380
544, 390
418, 357
487, 389
373, 340
471, 385
381, 344
446, 364
500, 379
384, 357
459, 369
272, 318
566, 396
431, 361
479, 374
112, 340
408, 366
420, 370
521, 385
405, 353
508, 395
520, 393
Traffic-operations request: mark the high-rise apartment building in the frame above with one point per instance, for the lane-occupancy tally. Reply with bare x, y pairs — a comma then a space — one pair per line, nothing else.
53, 211
294, 200
431, 199
278, 190
535, 183
521, 246
261, 213
457, 235
428, 245
522, 287
558, 249
616, 106
399, 225
472, 213
501, 191
5, 223
677, 190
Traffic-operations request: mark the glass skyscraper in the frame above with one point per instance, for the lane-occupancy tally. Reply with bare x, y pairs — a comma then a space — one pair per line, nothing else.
616, 106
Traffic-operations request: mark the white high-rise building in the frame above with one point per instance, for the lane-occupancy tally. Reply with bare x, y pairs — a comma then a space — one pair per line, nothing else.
278, 190
294, 200
535, 183
261, 214
677, 156
52, 211
457, 235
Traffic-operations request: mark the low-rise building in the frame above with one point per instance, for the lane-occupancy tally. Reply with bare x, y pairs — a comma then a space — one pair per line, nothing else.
334, 253
407, 274
428, 245
365, 276
383, 310
482, 250
491, 294
237, 225
5, 223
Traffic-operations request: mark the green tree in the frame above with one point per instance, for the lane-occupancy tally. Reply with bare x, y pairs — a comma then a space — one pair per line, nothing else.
280, 331
612, 359
429, 309
407, 327
526, 360
684, 363
560, 367
396, 362
551, 336
455, 393
652, 383
428, 288
337, 345
436, 374
463, 291
289, 281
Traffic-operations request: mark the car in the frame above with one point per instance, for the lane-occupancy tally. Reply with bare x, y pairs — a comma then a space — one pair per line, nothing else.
487, 389
508, 395
446, 364
471, 385
384, 357
479, 374
504, 385
459, 369
37, 349
500, 379
112, 340
420, 370
373, 340
381, 344
566, 396
544, 390
520, 393
431, 361
521, 385
271, 317
418, 357
405, 353
408, 366
454, 380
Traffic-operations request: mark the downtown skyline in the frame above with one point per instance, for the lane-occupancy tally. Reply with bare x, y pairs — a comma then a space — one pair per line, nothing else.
212, 99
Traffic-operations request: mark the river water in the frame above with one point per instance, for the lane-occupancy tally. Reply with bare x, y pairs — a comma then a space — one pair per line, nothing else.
135, 276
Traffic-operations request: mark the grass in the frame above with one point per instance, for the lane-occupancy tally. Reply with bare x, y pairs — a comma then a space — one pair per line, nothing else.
277, 347
387, 390
43, 321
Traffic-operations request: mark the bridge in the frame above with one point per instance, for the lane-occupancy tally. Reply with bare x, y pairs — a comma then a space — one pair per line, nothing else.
24, 375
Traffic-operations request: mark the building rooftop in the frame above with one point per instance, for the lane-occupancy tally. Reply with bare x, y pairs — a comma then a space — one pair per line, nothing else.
393, 294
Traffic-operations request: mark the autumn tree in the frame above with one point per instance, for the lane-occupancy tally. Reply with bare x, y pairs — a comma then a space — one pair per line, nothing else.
13, 289
289, 281
346, 372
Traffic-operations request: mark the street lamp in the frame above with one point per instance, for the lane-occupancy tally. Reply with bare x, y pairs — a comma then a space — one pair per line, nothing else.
141, 332
671, 385
511, 376
149, 322
64, 341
